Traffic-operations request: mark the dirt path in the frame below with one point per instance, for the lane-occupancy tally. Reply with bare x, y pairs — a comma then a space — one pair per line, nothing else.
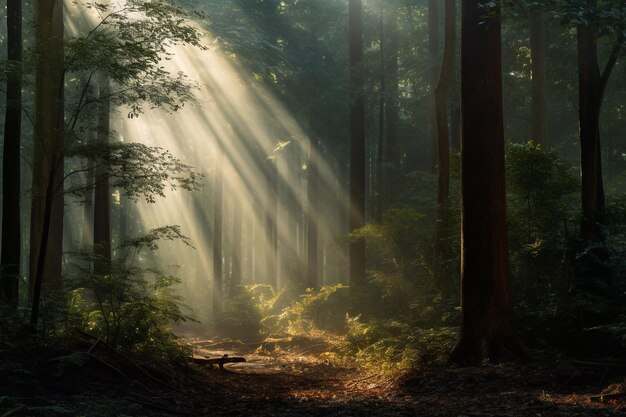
283, 378
286, 382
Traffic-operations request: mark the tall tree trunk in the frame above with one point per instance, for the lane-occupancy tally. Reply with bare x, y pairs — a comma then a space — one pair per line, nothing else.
47, 204
538, 62
380, 154
88, 200
442, 91
11, 175
235, 273
357, 145
589, 89
312, 215
102, 193
217, 236
433, 54
486, 305
392, 119
271, 226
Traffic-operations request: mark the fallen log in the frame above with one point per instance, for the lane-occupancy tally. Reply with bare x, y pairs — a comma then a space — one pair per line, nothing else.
217, 361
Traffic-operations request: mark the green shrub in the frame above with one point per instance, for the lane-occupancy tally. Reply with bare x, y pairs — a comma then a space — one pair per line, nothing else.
323, 309
130, 306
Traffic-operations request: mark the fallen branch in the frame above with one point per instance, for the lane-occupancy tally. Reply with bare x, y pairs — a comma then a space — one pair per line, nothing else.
217, 361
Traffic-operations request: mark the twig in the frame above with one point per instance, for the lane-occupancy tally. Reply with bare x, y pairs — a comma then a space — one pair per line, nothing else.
356, 381
600, 364
13, 411
93, 346
609, 396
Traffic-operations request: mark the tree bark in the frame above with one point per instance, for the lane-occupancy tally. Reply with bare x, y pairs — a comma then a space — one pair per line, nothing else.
48, 153
357, 145
442, 91
486, 306
538, 82
589, 88
11, 167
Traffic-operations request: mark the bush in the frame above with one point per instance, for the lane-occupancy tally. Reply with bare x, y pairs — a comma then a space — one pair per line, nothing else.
323, 309
130, 307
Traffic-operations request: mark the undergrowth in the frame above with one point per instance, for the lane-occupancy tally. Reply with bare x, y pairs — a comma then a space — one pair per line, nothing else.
384, 345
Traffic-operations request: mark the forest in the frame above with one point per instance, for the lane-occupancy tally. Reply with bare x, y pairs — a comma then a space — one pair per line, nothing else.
313, 207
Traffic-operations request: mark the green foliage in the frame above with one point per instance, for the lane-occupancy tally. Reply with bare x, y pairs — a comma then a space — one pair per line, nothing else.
242, 314
128, 46
541, 195
323, 309
129, 306
392, 345
137, 169
398, 266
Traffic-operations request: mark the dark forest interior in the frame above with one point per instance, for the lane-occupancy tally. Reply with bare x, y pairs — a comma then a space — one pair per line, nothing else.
313, 207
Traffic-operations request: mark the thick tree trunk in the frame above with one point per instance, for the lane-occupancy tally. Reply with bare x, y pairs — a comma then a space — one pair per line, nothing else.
486, 306
102, 193
11, 175
48, 153
357, 145
539, 97
312, 216
442, 91
589, 88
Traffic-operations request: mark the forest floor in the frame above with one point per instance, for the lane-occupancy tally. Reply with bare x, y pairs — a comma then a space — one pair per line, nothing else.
286, 377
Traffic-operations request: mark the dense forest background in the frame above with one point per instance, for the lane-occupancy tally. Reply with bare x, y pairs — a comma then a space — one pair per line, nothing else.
282, 168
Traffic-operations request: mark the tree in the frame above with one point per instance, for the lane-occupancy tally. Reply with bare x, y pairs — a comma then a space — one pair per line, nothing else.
128, 53
102, 191
312, 214
392, 108
46, 210
442, 91
486, 305
11, 176
538, 68
433, 55
218, 184
357, 144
